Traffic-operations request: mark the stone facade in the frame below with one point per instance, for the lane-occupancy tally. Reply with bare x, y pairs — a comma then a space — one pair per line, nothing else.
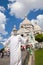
28, 30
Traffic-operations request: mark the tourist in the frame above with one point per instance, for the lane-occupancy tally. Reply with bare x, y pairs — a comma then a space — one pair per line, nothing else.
15, 48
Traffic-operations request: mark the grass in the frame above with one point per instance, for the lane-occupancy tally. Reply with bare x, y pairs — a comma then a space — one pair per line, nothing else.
39, 57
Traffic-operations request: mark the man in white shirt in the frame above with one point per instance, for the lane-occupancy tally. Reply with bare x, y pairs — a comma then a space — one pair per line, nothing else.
15, 49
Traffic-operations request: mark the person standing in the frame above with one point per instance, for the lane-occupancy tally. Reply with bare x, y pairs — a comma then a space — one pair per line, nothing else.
15, 48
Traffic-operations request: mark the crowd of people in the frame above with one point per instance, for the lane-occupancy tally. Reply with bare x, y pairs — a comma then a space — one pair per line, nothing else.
4, 53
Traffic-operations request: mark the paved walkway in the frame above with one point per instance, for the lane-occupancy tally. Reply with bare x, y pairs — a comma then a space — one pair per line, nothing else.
5, 61
31, 60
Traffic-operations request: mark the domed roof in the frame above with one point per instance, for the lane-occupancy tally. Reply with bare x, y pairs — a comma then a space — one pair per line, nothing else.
37, 27
26, 21
14, 28
14, 31
22, 30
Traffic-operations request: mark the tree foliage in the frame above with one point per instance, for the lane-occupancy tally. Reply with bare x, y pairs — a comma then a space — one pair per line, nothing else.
39, 37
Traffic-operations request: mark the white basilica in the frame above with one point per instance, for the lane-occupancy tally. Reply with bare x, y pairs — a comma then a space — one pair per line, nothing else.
27, 29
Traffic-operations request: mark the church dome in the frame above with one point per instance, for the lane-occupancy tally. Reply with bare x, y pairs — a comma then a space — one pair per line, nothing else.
37, 27
22, 31
26, 21
14, 29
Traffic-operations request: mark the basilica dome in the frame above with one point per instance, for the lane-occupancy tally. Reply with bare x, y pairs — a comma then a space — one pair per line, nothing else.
26, 21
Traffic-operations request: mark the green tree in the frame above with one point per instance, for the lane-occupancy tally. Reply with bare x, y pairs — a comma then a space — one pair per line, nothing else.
39, 37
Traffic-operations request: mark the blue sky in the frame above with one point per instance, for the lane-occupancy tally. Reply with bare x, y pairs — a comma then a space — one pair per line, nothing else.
14, 13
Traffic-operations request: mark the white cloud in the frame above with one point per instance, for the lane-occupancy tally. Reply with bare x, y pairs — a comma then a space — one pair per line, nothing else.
39, 21
16, 9
5, 39
2, 8
12, 0
1, 38
40, 17
2, 18
33, 21
2, 23
20, 8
